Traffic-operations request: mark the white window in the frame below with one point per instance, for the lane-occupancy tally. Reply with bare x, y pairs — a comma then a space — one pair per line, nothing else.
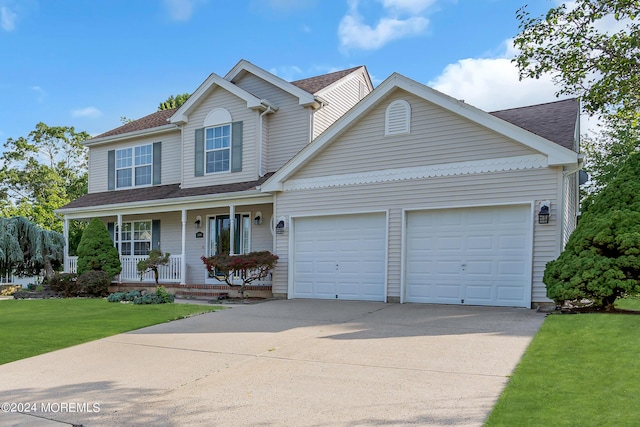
134, 166
136, 238
217, 148
398, 118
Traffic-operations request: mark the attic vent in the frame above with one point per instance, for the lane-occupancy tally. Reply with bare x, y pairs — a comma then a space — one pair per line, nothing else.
398, 118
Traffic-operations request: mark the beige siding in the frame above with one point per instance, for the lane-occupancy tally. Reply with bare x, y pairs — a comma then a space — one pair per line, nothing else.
171, 148
523, 186
289, 127
437, 136
237, 107
340, 98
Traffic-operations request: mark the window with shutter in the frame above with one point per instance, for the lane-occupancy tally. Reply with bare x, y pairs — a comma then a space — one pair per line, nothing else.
398, 118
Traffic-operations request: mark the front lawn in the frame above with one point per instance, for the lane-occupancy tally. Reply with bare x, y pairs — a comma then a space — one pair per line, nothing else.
32, 327
580, 370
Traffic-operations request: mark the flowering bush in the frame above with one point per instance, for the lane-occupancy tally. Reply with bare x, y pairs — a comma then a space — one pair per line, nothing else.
248, 267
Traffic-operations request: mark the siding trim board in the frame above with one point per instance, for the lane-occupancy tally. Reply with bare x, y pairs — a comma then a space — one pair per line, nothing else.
533, 161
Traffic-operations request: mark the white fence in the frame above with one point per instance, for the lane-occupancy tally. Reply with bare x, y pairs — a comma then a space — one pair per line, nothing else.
169, 273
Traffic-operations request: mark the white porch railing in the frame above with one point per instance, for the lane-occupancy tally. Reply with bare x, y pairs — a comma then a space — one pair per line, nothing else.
169, 273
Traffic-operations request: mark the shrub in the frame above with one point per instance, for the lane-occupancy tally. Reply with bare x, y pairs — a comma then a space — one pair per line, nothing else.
95, 283
65, 283
96, 250
161, 296
155, 260
601, 261
248, 267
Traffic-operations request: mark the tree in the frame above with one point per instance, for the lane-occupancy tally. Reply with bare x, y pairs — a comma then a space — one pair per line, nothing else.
27, 249
605, 152
601, 261
153, 263
96, 250
173, 102
584, 57
248, 267
43, 172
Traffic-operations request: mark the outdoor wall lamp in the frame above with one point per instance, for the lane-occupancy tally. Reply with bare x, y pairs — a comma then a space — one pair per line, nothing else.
543, 215
258, 218
198, 221
281, 225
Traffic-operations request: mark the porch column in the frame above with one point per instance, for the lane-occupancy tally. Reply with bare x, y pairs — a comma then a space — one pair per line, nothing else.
183, 260
65, 232
119, 243
232, 229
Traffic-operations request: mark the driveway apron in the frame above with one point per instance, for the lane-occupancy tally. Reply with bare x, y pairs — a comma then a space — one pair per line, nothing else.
282, 363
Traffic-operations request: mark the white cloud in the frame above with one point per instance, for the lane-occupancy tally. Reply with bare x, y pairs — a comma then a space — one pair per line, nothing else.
88, 112
40, 93
288, 72
181, 10
493, 84
354, 33
7, 19
411, 6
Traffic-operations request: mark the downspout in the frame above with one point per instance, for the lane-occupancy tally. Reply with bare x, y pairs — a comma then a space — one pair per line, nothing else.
260, 142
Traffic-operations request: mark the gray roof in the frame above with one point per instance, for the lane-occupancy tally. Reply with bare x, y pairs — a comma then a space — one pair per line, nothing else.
160, 192
317, 83
555, 121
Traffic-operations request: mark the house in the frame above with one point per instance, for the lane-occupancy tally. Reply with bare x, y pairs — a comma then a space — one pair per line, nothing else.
398, 194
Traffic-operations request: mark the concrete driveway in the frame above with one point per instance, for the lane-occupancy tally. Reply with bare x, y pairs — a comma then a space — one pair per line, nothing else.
281, 363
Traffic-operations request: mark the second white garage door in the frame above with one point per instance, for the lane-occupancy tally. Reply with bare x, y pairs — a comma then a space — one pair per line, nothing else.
340, 257
479, 256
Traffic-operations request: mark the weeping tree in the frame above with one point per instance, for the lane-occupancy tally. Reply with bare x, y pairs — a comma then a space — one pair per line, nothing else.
27, 249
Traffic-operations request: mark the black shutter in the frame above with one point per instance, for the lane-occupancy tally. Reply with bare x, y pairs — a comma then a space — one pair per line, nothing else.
236, 147
157, 163
199, 152
111, 170
155, 234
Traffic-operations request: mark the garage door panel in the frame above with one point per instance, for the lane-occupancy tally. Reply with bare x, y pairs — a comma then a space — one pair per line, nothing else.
348, 253
476, 255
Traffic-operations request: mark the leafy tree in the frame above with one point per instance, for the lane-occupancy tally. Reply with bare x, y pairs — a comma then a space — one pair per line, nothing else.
585, 58
43, 172
27, 249
173, 101
601, 261
248, 267
96, 250
153, 263
605, 153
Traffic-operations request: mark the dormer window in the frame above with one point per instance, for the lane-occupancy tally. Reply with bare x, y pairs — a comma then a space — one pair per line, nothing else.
398, 118
218, 148
134, 166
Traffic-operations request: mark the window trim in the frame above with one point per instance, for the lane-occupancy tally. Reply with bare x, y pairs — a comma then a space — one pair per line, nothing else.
229, 148
132, 241
133, 166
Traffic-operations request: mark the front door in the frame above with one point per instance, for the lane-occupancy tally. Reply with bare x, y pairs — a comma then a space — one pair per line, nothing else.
220, 236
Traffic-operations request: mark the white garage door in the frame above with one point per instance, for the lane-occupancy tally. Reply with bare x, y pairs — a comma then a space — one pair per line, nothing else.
340, 257
479, 256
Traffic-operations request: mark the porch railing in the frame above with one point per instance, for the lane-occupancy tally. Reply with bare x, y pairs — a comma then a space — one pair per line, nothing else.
169, 273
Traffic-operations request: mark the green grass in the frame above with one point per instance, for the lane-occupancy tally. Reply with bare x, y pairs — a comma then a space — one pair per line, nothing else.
32, 327
629, 303
580, 370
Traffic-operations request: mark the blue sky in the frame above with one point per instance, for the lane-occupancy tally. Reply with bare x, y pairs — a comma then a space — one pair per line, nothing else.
86, 63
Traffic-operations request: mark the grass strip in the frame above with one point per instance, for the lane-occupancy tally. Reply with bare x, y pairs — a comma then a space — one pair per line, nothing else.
32, 327
580, 370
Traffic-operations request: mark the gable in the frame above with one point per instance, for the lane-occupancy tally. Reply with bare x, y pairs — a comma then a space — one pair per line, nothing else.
437, 136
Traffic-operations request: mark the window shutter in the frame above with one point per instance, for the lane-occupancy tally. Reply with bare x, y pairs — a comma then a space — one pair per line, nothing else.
112, 230
236, 147
157, 163
111, 170
199, 152
155, 234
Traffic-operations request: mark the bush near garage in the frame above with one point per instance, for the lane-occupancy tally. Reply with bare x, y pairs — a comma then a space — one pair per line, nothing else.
601, 261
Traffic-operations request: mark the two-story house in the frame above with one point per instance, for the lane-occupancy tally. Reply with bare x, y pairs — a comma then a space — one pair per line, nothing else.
395, 194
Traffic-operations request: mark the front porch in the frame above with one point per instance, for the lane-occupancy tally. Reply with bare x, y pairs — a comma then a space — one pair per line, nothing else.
169, 276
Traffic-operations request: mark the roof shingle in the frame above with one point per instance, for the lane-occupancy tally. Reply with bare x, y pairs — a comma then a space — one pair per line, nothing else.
159, 118
317, 83
554, 121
